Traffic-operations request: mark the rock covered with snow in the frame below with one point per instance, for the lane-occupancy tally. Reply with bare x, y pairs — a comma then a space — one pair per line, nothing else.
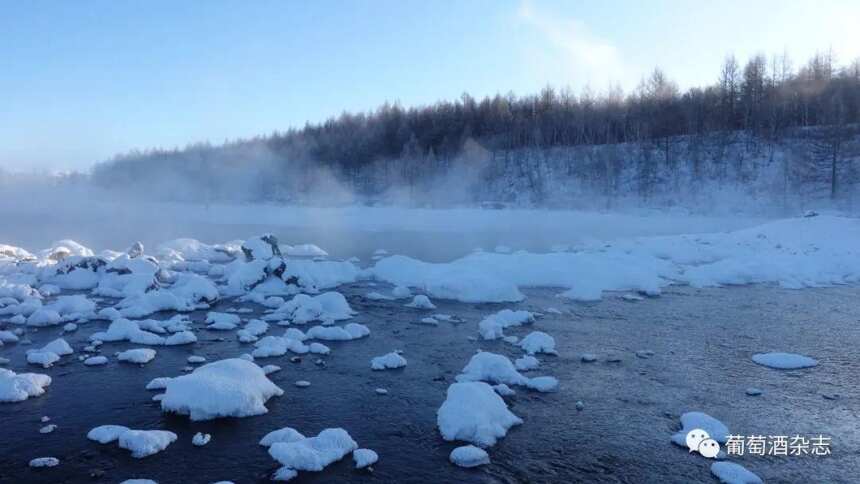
493, 326
141, 443
15, 387
421, 302
336, 333
140, 356
298, 453
495, 368
473, 412
364, 458
388, 361
469, 456
538, 342
328, 306
226, 388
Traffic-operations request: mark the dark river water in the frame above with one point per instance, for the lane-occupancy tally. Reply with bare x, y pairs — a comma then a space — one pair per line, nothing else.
702, 342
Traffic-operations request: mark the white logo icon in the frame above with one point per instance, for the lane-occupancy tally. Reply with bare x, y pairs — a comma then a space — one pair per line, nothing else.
709, 448
695, 437
700, 441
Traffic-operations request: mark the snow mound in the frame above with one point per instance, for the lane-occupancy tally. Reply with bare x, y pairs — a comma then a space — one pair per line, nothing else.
493, 326
364, 458
335, 333
141, 443
389, 361
225, 388
469, 456
784, 361
222, 321
538, 342
421, 302
278, 346
139, 355
313, 453
473, 412
700, 420
495, 368
328, 306
19, 387
731, 473
794, 253
96, 361
286, 435
126, 330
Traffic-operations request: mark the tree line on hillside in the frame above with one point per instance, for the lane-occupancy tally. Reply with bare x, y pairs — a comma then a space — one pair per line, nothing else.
764, 98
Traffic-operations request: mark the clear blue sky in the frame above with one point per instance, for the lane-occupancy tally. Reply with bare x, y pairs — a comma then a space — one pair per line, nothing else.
81, 81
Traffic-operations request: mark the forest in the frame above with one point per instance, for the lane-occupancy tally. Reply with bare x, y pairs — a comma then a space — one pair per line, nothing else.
775, 131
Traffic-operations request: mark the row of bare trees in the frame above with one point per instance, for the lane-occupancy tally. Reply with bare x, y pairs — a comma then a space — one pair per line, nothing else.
763, 99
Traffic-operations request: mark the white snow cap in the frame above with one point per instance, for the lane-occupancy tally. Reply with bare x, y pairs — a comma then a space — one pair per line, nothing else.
364, 458
226, 388
141, 443
469, 456
389, 361
731, 473
312, 453
474, 412
784, 361
19, 387
493, 326
700, 420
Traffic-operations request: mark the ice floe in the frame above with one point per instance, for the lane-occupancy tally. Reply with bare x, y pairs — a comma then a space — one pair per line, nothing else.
495, 368
45, 462
328, 306
336, 333
784, 361
421, 302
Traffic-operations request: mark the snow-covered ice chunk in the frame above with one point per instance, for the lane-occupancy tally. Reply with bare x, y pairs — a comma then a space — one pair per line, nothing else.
700, 420
278, 346
222, 321
388, 361
96, 361
45, 462
159, 383
328, 306
200, 439
286, 435
105, 434
492, 326
473, 412
126, 330
59, 346
302, 383
47, 429
196, 359
137, 355
731, 473
784, 361
364, 458
526, 363
538, 342
269, 369
469, 456
180, 338
314, 453
44, 358
19, 387
421, 302
143, 443
493, 368
225, 388
335, 333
